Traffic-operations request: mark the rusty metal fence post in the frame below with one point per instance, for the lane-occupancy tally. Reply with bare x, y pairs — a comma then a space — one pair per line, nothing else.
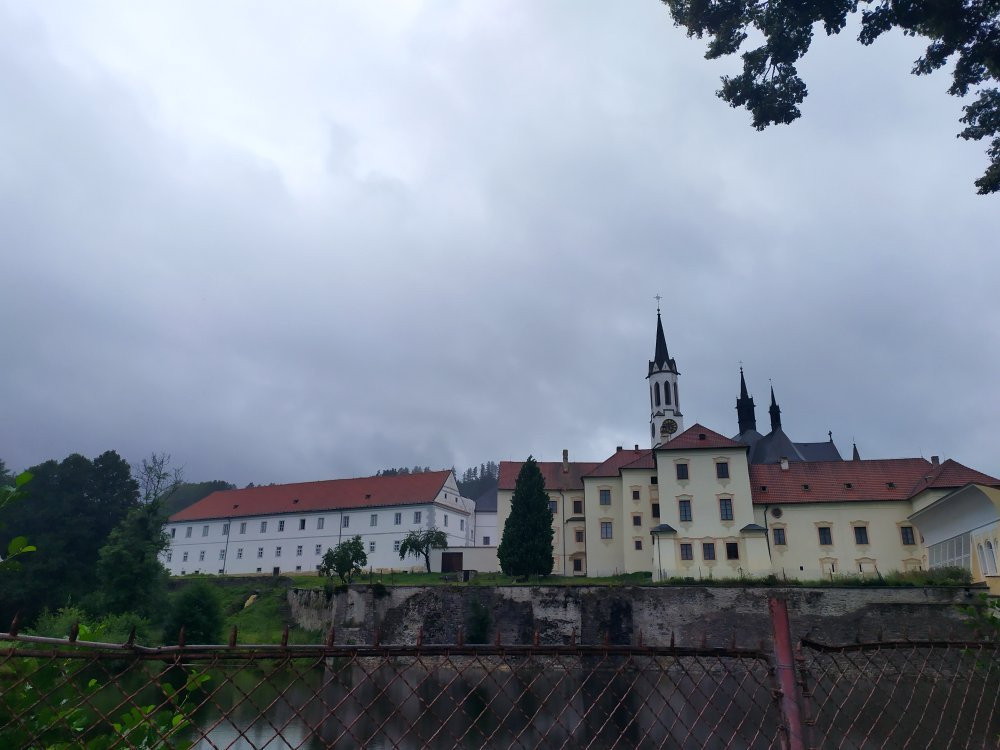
784, 664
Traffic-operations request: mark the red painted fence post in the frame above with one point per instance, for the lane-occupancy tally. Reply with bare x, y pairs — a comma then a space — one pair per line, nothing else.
784, 664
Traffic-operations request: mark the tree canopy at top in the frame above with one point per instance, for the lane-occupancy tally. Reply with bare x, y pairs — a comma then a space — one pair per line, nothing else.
967, 32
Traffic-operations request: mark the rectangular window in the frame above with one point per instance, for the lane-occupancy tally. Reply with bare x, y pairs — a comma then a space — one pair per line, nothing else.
281, 525
687, 551
319, 549
638, 544
298, 551
277, 551
204, 530
184, 558
722, 470
553, 506
906, 532
684, 509
682, 471
201, 555
656, 510
416, 516
708, 550
373, 519
445, 519
579, 536
637, 520
635, 494
395, 544
320, 522
861, 535
346, 522
605, 497
371, 546
461, 524
302, 524
263, 527
170, 556
260, 552
732, 551
222, 554
779, 538
825, 535
187, 532
578, 507
486, 541
239, 553
605, 529
243, 527
397, 519
725, 509
577, 565
225, 529
652, 480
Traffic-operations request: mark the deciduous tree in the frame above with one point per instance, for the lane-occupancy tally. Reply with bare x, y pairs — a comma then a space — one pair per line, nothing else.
345, 560
966, 34
420, 542
526, 544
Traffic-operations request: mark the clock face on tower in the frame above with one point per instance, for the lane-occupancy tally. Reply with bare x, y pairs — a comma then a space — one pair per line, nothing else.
669, 427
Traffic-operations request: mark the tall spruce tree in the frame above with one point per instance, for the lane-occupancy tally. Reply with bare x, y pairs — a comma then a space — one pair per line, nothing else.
526, 546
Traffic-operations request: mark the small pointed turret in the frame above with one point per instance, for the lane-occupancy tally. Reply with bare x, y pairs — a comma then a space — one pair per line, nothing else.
856, 456
661, 356
745, 410
775, 411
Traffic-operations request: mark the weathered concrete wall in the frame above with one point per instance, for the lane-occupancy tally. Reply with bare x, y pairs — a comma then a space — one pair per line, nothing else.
691, 614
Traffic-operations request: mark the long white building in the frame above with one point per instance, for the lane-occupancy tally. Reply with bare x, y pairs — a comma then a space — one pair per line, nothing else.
288, 527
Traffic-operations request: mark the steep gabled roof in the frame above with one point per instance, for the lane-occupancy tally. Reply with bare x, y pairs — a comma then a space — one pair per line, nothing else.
698, 436
304, 497
622, 459
951, 473
552, 472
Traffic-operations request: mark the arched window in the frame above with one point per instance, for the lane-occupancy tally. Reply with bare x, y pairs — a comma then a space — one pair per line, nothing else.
656, 393
666, 393
991, 559
677, 399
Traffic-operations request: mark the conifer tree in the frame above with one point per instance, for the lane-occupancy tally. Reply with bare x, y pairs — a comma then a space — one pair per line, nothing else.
526, 546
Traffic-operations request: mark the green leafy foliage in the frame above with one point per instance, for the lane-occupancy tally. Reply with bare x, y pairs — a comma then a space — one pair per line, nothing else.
67, 511
966, 34
112, 628
526, 545
420, 542
9, 494
131, 576
345, 560
196, 608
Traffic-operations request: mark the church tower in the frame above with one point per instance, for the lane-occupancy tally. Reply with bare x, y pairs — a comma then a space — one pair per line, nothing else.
745, 411
665, 419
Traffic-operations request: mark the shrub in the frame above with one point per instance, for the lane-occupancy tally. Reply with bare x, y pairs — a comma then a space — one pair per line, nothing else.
196, 608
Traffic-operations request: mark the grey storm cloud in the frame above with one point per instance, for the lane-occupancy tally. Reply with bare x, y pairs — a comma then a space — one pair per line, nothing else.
313, 242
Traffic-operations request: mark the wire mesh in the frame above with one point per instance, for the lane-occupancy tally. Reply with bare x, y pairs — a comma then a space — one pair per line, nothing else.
101, 696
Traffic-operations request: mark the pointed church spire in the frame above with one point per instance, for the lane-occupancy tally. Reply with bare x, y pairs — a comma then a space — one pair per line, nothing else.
857, 456
745, 409
661, 356
775, 411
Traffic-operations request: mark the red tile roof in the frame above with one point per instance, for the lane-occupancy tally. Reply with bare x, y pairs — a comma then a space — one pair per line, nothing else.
332, 494
624, 459
552, 473
698, 436
827, 481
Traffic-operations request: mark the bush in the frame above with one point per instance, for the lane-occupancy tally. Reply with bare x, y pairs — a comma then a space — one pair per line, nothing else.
197, 609
109, 628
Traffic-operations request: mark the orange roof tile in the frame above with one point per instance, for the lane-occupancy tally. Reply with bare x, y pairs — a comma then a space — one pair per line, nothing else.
838, 481
332, 494
552, 472
698, 436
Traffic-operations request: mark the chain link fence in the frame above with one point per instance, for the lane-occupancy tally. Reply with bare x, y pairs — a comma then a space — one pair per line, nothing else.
934, 694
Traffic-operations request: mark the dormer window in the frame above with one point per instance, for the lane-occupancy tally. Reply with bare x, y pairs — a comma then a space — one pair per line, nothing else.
891, 485
848, 486
805, 486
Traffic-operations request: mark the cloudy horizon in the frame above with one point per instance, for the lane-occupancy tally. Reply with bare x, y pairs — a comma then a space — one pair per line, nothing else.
314, 241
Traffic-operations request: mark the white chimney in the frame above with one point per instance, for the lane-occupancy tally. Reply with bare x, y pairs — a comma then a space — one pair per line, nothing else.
565, 461
784, 464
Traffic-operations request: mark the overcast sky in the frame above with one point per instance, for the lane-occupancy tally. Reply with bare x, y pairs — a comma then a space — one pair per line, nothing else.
297, 241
